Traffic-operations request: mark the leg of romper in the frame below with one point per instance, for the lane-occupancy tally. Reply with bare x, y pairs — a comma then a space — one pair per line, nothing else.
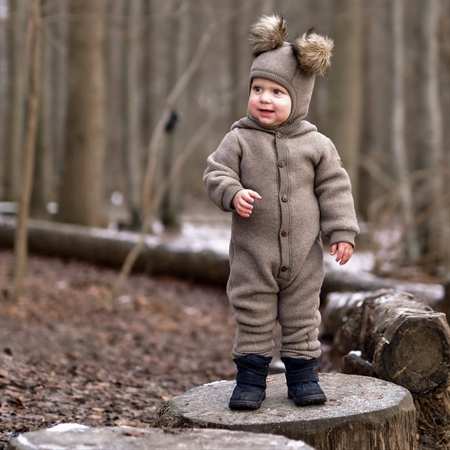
299, 314
254, 297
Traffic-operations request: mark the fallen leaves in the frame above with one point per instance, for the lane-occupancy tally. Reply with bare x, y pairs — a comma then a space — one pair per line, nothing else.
66, 357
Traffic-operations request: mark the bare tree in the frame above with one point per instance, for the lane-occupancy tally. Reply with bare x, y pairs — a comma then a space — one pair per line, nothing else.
398, 133
344, 122
43, 170
433, 233
132, 139
81, 191
20, 240
176, 126
15, 130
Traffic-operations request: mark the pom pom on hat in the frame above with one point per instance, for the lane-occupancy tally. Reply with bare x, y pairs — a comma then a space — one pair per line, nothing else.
268, 33
313, 53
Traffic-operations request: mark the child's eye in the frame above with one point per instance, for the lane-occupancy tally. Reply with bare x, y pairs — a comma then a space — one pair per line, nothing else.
257, 89
277, 92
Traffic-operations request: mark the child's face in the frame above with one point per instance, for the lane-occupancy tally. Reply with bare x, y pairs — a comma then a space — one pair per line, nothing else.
269, 102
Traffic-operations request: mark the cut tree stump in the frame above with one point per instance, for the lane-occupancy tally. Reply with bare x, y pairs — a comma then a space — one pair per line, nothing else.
400, 335
75, 436
361, 413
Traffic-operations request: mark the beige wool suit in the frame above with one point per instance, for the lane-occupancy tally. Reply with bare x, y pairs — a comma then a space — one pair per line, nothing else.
276, 255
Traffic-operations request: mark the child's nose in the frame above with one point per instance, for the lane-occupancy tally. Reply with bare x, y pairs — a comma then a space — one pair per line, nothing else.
265, 97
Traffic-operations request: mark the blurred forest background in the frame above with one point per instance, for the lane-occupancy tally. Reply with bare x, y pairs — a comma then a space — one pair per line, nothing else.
106, 96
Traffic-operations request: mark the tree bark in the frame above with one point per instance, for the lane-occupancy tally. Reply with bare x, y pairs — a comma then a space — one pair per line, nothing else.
81, 192
20, 241
171, 204
346, 87
433, 232
132, 134
14, 154
400, 157
115, 175
43, 186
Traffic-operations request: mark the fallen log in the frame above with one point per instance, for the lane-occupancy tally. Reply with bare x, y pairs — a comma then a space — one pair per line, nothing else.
165, 256
110, 248
403, 338
399, 338
340, 281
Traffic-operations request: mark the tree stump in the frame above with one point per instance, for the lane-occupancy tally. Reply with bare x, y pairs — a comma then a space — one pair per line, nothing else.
361, 413
74, 436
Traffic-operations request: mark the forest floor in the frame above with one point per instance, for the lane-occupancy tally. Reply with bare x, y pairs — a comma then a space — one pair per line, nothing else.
67, 356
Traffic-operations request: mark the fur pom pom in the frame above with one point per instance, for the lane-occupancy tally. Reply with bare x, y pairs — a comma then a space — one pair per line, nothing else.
268, 33
313, 53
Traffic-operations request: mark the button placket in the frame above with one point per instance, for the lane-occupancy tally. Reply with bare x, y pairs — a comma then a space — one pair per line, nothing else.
282, 161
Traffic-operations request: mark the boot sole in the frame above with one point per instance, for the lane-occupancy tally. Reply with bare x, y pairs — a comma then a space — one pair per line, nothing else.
311, 400
245, 404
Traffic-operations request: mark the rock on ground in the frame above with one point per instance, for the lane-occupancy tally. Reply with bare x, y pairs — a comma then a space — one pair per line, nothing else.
77, 437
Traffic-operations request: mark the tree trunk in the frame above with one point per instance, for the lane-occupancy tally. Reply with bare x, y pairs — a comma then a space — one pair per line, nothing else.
376, 114
171, 205
43, 169
115, 174
400, 156
433, 232
20, 240
81, 193
132, 133
59, 33
15, 130
406, 342
346, 86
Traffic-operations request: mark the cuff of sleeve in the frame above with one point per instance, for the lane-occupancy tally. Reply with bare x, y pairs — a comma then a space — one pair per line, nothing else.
228, 197
342, 236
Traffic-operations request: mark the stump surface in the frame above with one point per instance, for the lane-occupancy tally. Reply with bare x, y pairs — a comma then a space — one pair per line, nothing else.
361, 412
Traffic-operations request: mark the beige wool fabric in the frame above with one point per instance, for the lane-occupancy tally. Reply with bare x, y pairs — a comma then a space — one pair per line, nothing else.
276, 255
304, 191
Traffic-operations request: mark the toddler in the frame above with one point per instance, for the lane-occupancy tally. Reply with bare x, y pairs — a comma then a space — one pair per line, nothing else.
285, 185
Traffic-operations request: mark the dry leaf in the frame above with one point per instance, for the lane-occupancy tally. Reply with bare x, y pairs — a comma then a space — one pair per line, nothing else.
333, 402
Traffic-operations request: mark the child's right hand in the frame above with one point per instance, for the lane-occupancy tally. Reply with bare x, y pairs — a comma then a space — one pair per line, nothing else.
243, 200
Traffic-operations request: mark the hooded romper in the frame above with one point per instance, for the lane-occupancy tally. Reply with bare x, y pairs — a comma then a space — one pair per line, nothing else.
276, 255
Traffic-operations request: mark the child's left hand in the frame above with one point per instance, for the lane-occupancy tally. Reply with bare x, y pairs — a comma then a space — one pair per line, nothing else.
344, 252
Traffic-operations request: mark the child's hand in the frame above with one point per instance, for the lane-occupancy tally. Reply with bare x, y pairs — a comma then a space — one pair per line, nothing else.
243, 200
344, 252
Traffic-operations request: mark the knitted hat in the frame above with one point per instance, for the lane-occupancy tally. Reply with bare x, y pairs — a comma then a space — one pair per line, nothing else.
292, 65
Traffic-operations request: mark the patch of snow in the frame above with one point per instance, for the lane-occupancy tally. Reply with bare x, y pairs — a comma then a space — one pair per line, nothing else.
24, 441
62, 427
109, 233
360, 261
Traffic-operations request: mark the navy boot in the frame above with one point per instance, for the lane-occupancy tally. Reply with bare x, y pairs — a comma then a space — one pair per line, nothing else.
250, 390
302, 384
